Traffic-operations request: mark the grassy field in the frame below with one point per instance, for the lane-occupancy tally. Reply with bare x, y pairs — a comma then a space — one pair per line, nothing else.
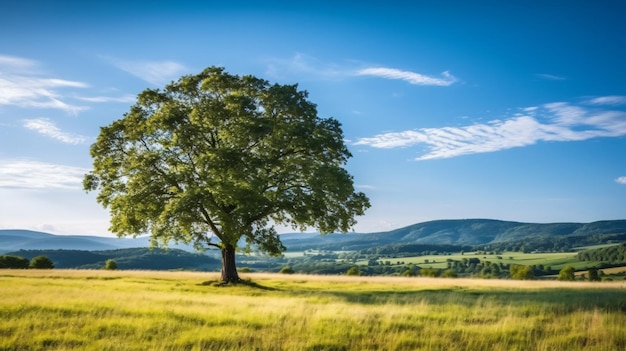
135, 310
555, 260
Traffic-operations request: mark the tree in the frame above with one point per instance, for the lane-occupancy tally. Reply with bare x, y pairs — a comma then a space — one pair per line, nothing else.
41, 262
449, 273
215, 158
286, 270
429, 272
110, 265
567, 273
594, 276
353, 271
521, 272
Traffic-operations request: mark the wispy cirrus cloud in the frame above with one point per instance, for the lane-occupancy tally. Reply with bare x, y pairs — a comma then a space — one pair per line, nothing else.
549, 76
46, 127
608, 100
18, 63
301, 64
154, 72
28, 174
549, 122
621, 180
23, 84
446, 78
104, 99
364, 186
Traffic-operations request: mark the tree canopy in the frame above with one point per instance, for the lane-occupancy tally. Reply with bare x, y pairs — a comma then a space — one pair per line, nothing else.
41, 262
214, 158
567, 273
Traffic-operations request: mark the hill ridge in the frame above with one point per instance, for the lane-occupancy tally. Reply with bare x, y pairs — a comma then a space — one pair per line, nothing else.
471, 231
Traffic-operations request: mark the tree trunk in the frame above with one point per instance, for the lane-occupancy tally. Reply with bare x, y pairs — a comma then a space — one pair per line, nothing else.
229, 269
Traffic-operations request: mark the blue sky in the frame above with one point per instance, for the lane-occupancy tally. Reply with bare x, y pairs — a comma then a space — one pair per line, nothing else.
509, 110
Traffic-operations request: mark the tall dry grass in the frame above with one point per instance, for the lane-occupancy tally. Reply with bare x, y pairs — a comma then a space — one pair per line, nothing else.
135, 310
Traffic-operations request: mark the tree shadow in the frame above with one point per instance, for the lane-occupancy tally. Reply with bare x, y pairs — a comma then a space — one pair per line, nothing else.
561, 300
255, 285
242, 282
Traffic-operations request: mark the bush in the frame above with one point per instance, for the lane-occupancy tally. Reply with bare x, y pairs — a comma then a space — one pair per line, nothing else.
245, 270
408, 273
449, 273
429, 272
286, 270
353, 271
520, 272
594, 276
110, 265
41, 262
567, 273
14, 262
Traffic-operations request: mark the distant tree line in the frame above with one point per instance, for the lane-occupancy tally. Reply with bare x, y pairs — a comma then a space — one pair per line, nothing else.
554, 243
18, 262
611, 254
405, 250
134, 258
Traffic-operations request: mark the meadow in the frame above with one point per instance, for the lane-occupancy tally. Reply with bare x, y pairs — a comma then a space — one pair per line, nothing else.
555, 260
139, 310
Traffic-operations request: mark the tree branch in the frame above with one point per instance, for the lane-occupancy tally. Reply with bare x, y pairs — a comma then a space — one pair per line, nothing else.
210, 222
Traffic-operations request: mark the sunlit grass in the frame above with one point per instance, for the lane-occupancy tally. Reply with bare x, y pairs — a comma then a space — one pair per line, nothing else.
134, 310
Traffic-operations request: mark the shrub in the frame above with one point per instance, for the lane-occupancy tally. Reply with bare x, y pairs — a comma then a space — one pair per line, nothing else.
110, 265
520, 272
593, 275
286, 270
245, 270
449, 273
41, 262
429, 272
567, 273
353, 271
408, 273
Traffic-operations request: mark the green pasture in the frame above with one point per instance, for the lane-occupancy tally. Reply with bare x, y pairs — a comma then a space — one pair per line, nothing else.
134, 310
554, 260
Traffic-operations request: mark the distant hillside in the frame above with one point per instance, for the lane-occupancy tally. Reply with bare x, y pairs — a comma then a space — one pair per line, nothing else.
17, 239
136, 258
463, 232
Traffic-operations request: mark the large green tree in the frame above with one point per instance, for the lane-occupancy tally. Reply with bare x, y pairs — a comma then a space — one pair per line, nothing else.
41, 262
214, 158
567, 273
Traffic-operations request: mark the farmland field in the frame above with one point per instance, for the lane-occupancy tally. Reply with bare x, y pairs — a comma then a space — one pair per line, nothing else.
555, 260
136, 310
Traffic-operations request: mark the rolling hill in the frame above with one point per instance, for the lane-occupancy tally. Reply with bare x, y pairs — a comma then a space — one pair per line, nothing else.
18, 239
461, 232
134, 258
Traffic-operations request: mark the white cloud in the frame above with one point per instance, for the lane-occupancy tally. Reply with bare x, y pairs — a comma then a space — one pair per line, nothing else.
364, 186
22, 85
549, 76
608, 100
154, 72
411, 77
17, 62
550, 122
26, 174
301, 64
621, 180
46, 127
126, 98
